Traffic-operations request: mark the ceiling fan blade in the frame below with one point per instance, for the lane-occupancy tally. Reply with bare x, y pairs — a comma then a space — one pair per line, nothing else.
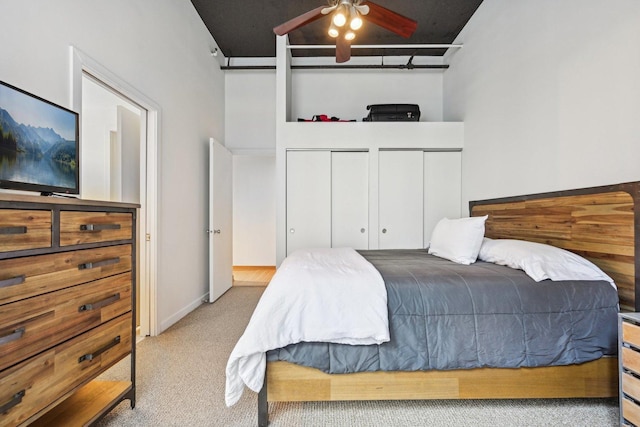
329, 9
299, 21
343, 49
390, 20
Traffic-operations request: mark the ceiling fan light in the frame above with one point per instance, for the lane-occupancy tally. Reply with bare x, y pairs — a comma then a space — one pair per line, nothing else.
349, 35
333, 31
356, 23
340, 16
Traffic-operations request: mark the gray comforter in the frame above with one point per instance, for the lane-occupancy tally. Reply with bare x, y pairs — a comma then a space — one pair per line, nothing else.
444, 315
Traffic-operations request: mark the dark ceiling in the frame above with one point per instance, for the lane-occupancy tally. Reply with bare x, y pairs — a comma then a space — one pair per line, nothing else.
244, 28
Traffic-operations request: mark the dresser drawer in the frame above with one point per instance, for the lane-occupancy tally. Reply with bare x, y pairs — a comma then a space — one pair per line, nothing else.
631, 333
30, 326
29, 276
24, 229
32, 385
631, 411
631, 385
631, 359
94, 227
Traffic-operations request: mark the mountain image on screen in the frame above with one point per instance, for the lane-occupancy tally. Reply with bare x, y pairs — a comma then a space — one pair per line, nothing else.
35, 154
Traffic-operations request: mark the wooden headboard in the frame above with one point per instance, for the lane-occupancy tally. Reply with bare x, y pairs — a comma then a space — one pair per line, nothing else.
598, 223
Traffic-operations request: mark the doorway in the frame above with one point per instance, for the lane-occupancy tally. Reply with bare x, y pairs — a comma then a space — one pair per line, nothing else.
119, 136
112, 138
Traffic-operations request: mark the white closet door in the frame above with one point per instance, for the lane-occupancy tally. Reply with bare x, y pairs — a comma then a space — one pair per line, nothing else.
350, 199
401, 202
308, 200
442, 189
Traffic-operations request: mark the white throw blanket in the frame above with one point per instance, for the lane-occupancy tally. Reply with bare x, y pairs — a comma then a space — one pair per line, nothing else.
320, 295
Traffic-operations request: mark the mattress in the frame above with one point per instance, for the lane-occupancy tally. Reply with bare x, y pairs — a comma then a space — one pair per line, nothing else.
444, 315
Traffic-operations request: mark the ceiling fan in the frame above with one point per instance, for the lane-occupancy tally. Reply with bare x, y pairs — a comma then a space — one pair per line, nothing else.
347, 17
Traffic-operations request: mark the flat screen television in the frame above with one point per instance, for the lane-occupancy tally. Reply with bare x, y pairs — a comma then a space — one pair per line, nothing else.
39, 144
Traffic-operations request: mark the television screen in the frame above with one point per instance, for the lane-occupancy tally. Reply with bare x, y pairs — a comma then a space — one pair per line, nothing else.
39, 144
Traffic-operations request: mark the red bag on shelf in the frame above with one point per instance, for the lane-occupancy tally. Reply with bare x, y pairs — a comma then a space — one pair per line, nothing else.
324, 118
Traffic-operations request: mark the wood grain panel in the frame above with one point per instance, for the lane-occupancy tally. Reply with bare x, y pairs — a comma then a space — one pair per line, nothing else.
73, 222
631, 360
600, 226
631, 411
84, 406
49, 319
631, 385
37, 233
56, 372
47, 273
631, 333
289, 382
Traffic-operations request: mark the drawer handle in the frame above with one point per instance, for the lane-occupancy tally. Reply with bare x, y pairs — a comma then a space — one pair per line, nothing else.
13, 336
12, 281
89, 265
13, 230
99, 227
15, 400
98, 305
91, 356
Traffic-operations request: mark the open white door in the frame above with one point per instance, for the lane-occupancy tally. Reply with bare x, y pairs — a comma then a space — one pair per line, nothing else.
220, 220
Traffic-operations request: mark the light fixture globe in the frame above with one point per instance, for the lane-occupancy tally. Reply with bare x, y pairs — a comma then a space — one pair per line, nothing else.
340, 16
356, 23
349, 35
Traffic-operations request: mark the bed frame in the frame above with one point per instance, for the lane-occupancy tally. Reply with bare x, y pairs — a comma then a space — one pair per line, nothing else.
600, 223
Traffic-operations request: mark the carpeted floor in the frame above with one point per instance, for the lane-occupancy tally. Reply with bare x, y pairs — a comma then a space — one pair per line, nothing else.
180, 382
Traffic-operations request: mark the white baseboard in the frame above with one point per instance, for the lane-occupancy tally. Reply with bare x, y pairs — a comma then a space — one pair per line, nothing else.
167, 323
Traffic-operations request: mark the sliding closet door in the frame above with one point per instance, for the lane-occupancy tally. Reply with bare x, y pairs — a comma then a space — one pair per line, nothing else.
308, 200
400, 206
350, 199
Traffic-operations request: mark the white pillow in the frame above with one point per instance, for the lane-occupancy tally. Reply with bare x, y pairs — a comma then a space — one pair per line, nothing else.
540, 261
458, 240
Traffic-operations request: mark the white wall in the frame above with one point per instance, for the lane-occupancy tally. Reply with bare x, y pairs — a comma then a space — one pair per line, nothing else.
550, 96
346, 93
250, 134
161, 48
250, 119
254, 210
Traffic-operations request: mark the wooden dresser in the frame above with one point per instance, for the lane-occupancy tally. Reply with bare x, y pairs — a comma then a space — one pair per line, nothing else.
67, 308
629, 360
